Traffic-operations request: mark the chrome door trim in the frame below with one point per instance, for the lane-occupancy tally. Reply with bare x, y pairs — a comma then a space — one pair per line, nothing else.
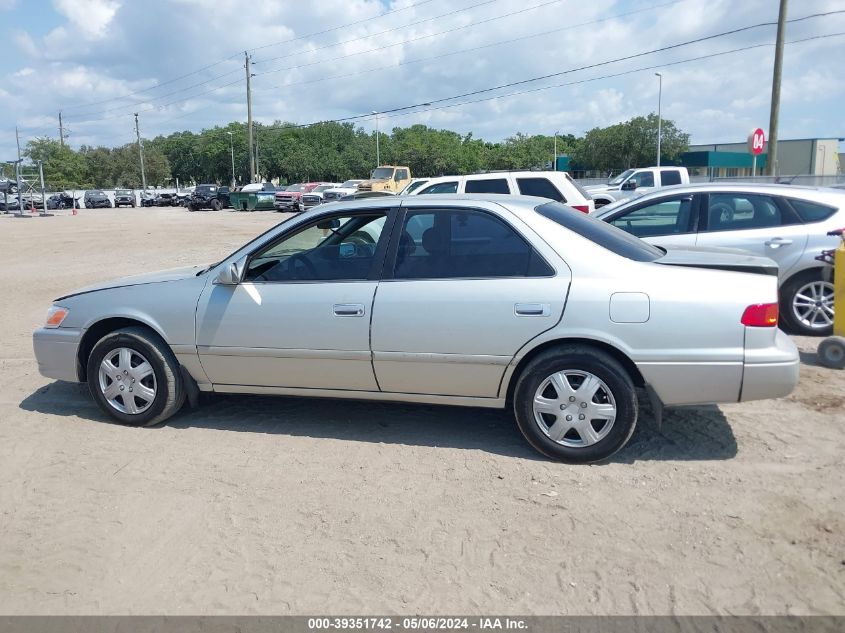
271, 352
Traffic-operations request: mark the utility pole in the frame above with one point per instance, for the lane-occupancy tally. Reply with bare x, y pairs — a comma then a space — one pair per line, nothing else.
141, 151
18, 141
61, 130
774, 115
659, 114
554, 158
378, 156
249, 116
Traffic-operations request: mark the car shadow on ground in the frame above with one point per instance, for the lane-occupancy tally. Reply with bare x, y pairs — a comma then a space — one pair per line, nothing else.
700, 433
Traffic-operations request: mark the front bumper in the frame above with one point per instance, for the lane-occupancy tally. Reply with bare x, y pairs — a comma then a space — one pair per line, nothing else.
56, 352
770, 372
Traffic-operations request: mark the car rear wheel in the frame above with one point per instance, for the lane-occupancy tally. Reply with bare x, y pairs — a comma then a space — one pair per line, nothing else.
575, 404
806, 305
134, 377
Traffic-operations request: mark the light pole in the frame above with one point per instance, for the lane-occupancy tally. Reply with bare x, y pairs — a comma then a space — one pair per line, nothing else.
554, 160
378, 157
232, 148
659, 100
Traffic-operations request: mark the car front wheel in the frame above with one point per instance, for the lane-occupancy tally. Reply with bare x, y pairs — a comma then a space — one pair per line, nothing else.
575, 404
806, 305
134, 377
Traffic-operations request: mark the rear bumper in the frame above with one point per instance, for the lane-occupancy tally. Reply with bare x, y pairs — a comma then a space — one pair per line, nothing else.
56, 352
771, 372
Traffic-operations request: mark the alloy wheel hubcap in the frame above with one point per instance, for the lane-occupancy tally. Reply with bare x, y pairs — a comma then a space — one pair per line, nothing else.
127, 381
813, 304
574, 408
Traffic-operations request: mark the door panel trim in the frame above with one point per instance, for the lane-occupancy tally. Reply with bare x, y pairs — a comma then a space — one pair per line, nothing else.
271, 352
428, 357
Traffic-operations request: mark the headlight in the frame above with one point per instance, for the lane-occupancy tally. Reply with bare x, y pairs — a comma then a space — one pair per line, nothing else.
55, 316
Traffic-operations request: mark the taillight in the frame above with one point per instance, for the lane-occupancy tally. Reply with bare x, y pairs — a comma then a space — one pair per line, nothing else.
583, 208
761, 315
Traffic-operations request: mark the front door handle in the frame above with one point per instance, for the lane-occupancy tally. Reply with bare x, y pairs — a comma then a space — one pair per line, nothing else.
532, 309
777, 242
348, 309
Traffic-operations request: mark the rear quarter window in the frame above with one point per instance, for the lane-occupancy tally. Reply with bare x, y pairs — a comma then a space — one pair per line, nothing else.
811, 211
670, 177
540, 187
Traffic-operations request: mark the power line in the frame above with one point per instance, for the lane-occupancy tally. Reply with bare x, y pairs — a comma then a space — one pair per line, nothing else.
233, 56
573, 70
477, 48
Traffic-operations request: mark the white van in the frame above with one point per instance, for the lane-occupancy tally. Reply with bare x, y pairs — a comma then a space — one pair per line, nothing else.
555, 185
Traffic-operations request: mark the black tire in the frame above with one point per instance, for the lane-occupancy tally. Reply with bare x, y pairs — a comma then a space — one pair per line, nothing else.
577, 358
170, 393
831, 352
791, 321
215, 205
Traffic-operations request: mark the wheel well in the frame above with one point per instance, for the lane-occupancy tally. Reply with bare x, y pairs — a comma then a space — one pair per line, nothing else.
95, 333
626, 362
816, 272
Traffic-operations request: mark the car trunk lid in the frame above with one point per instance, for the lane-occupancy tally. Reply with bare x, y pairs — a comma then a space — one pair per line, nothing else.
719, 259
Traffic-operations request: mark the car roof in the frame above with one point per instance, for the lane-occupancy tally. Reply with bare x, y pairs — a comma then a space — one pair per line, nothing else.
435, 200
779, 189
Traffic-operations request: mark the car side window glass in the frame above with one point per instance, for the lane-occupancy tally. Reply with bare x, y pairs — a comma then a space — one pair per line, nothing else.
643, 179
339, 248
664, 217
441, 187
540, 187
487, 185
464, 244
740, 211
811, 211
670, 177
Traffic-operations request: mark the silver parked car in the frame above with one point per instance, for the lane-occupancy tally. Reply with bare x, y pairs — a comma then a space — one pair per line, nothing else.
786, 223
482, 301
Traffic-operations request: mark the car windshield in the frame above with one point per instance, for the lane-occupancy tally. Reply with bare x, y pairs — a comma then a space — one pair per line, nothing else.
95, 193
621, 177
350, 184
605, 235
414, 186
122, 192
321, 188
206, 189
382, 172
293, 188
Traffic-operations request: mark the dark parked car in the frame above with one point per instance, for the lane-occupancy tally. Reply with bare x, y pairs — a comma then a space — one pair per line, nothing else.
124, 197
148, 199
96, 199
223, 197
206, 197
61, 201
167, 200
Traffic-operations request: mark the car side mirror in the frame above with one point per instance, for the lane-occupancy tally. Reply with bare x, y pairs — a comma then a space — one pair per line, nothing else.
629, 185
231, 274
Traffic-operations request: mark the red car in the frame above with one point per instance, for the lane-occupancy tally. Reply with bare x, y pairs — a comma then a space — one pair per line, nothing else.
291, 198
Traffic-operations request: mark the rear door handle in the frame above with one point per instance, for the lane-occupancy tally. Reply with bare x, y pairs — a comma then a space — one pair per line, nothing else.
348, 309
775, 242
532, 309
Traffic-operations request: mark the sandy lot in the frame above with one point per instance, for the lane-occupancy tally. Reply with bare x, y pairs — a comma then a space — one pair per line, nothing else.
282, 505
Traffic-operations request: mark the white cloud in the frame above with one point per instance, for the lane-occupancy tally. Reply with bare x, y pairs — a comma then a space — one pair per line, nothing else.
90, 17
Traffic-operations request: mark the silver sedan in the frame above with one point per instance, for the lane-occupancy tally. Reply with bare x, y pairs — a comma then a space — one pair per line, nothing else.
487, 301
786, 223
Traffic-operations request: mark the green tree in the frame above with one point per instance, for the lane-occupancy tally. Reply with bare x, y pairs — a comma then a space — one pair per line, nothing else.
63, 167
631, 144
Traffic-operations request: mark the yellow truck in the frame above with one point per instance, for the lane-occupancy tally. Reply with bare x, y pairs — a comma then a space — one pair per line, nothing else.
387, 178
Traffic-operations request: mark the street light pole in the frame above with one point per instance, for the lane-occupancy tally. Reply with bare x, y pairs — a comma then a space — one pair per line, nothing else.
659, 114
554, 160
378, 157
232, 148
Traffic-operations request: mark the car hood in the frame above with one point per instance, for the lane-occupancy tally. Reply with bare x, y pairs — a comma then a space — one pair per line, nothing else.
341, 190
373, 181
719, 259
174, 274
600, 187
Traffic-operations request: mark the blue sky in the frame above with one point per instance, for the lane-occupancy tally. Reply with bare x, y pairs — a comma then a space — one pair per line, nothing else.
179, 64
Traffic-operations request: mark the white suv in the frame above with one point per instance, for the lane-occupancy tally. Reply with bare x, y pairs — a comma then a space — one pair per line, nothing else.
555, 185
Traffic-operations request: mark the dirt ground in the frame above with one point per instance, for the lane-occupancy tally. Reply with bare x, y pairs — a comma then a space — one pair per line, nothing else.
283, 505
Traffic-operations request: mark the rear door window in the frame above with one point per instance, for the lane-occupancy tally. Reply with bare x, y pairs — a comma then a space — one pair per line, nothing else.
670, 177
811, 211
442, 187
487, 185
541, 187
741, 211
